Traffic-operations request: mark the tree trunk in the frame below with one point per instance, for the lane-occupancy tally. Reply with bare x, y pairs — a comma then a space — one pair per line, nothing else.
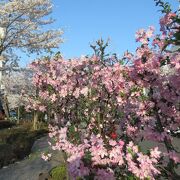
35, 120
48, 115
18, 115
5, 106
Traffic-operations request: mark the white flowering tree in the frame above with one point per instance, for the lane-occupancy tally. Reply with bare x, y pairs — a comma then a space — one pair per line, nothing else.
14, 84
22, 25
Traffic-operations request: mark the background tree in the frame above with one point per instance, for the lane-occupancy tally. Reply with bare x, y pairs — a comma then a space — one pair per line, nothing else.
14, 84
22, 28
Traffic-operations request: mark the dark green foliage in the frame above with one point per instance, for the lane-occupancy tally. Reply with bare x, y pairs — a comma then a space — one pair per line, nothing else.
73, 135
99, 49
166, 8
87, 158
6, 124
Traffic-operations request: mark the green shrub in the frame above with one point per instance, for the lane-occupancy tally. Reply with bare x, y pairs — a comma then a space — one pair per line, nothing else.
59, 172
6, 124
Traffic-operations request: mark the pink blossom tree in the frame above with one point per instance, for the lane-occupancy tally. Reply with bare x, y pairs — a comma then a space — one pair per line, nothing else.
104, 108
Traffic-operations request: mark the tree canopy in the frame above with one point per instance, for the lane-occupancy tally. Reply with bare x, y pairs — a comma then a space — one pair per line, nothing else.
22, 25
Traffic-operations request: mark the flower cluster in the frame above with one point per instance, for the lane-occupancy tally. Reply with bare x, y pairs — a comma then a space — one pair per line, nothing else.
94, 154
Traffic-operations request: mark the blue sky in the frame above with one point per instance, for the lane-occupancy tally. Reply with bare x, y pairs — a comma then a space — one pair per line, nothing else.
84, 21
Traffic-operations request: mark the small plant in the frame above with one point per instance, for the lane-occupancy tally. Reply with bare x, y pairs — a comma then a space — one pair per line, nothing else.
59, 173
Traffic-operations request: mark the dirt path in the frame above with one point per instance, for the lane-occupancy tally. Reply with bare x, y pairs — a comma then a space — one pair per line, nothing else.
31, 167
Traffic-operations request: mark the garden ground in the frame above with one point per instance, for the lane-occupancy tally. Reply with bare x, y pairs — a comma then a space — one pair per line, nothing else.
33, 167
